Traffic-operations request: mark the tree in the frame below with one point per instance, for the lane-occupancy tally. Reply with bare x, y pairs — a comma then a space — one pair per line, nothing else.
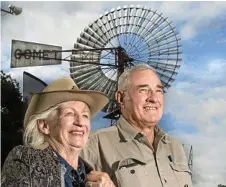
12, 113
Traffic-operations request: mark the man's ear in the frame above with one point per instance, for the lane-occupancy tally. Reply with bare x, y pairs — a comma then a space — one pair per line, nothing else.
43, 126
119, 96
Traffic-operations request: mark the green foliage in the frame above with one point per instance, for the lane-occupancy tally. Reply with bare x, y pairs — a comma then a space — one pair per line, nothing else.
11, 114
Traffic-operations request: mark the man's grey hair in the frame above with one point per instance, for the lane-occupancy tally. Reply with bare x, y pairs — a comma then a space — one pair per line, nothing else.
124, 80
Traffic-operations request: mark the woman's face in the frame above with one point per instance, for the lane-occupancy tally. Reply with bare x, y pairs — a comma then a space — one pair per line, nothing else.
73, 127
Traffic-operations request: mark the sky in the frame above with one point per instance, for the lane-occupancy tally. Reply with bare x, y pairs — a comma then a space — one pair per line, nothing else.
194, 112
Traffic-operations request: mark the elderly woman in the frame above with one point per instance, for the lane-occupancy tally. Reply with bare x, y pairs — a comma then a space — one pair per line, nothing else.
56, 128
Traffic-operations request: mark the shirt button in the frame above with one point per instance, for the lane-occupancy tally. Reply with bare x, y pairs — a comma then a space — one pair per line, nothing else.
132, 171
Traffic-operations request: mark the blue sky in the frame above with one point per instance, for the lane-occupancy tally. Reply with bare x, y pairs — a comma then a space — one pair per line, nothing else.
195, 111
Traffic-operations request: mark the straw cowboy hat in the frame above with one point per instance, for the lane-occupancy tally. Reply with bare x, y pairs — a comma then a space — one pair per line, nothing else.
63, 90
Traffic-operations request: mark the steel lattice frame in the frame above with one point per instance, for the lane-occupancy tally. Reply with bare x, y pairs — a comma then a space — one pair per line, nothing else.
144, 35
189, 154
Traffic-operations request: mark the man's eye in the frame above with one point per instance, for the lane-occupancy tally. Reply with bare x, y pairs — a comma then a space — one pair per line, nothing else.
160, 90
143, 90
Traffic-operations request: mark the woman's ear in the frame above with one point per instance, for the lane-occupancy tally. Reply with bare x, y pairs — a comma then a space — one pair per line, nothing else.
43, 126
119, 96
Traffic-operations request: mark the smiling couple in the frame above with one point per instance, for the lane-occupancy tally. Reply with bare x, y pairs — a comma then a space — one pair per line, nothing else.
59, 151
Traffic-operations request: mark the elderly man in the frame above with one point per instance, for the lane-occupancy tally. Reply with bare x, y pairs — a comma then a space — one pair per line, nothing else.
136, 152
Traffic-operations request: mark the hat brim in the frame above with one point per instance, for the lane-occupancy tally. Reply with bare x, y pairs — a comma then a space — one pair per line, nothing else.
41, 102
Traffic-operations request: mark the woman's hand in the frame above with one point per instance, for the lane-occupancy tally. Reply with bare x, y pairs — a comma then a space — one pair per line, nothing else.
98, 179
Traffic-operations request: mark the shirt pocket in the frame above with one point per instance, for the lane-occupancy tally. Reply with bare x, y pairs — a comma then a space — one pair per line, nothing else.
132, 173
132, 176
182, 174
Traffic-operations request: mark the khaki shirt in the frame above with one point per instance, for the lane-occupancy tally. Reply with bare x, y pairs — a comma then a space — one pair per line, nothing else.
131, 161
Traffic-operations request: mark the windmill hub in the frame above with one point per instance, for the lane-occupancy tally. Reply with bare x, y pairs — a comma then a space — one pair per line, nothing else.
123, 58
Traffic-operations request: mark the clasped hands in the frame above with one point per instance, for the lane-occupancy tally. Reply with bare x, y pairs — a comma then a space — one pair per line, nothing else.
98, 179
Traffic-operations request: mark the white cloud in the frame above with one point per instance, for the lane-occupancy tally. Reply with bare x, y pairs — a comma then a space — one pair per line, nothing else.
206, 112
42, 22
187, 32
217, 92
209, 166
209, 74
201, 110
195, 16
176, 10
217, 67
45, 73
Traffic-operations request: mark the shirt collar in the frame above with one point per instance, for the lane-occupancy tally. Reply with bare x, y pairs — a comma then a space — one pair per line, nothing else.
73, 177
64, 163
69, 168
128, 132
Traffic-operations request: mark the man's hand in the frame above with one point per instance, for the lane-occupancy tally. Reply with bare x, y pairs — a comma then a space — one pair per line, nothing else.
98, 179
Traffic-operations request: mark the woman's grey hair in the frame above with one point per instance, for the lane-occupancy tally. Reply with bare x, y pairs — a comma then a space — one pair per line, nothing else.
32, 135
124, 80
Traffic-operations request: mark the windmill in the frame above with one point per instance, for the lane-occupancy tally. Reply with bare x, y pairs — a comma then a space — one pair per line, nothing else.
118, 40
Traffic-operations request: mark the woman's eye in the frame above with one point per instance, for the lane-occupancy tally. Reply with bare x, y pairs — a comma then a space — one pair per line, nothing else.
86, 116
69, 114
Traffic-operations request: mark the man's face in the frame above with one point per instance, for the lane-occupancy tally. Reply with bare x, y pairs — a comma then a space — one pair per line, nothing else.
73, 126
143, 101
